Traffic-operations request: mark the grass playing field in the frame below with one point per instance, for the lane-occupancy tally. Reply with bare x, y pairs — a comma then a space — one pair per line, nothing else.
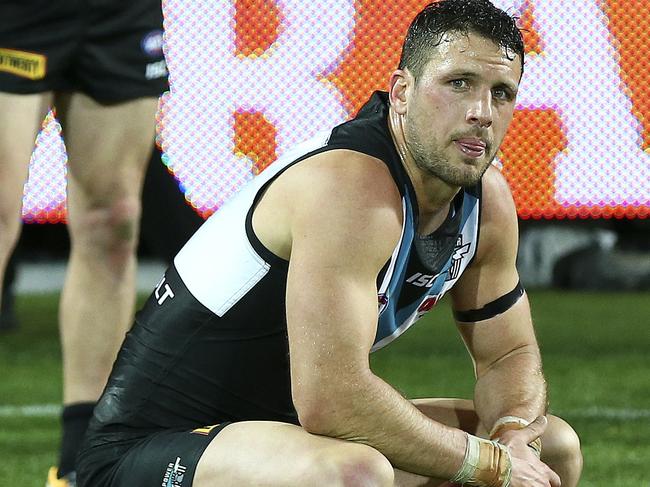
596, 350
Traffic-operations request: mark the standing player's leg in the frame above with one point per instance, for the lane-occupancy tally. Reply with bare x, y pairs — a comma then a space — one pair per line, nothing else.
21, 117
108, 148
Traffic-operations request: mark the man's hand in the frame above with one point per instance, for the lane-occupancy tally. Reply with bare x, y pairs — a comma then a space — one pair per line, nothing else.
527, 469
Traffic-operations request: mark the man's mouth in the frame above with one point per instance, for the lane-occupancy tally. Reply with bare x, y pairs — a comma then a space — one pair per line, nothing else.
471, 147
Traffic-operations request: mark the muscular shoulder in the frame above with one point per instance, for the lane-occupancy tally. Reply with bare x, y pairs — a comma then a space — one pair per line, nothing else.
347, 176
340, 200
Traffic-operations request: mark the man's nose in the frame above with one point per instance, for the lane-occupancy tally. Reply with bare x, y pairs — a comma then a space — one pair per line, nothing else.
480, 111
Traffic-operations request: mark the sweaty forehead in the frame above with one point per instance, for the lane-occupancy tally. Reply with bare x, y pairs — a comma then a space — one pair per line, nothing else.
475, 53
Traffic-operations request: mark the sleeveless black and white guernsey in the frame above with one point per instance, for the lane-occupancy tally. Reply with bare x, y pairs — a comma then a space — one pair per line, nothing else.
210, 345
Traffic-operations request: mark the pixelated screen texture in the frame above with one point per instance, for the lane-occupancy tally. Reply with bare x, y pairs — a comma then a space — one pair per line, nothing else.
44, 193
251, 78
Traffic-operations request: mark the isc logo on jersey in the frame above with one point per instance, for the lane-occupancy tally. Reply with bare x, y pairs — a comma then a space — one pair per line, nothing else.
422, 280
427, 280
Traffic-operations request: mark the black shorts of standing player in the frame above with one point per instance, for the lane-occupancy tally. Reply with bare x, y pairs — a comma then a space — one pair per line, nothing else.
167, 458
111, 50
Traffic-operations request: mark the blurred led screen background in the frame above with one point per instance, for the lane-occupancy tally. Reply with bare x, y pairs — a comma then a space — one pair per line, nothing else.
251, 78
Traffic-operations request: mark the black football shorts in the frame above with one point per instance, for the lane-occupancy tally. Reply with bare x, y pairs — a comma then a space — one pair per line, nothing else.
167, 458
110, 50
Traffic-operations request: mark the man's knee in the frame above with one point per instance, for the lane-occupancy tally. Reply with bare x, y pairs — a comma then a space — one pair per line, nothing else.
561, 443
357, 466
109, 228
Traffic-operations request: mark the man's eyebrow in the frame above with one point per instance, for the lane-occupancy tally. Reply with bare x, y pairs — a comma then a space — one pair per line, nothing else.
461, 74
473, 75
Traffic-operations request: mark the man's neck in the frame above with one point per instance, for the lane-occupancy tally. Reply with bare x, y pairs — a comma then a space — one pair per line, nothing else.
433, 195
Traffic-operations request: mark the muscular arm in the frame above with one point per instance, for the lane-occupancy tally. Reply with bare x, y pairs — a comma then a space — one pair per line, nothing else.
344, 223
504, 348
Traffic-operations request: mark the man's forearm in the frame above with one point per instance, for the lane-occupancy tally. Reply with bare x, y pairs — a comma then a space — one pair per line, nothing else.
377, 415
513, 386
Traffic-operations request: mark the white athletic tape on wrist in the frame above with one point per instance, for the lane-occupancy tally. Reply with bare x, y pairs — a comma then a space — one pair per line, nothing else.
470, 462
508, 420
486, 464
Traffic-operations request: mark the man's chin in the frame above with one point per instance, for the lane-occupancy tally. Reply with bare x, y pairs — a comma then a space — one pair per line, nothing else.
462, 180
469, 178
464, 173
472, 173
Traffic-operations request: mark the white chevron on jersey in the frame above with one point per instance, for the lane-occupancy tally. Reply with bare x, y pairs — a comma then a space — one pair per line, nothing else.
218, 264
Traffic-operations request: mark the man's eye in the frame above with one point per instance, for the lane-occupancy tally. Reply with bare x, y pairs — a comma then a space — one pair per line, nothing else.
501, 94
458, 83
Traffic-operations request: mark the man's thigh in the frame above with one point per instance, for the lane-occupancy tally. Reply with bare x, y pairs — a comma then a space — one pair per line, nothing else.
108, 147
269, 453
263, 453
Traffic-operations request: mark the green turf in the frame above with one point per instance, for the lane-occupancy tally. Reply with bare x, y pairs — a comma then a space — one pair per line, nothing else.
596, 351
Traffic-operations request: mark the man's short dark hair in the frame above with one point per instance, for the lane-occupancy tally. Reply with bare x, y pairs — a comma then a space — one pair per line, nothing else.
462, 16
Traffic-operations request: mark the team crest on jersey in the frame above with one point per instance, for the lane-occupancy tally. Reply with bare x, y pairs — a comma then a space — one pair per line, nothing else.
460, 250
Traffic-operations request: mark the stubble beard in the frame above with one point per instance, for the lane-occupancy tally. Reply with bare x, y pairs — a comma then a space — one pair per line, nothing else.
433, 162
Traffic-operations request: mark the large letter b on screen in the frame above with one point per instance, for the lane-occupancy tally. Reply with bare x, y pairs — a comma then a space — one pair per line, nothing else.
210, 83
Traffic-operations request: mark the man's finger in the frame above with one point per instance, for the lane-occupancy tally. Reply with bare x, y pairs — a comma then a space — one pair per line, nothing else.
535, 429
555, 480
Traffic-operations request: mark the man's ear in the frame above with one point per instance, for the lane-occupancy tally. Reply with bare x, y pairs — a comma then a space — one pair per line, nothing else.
398, 85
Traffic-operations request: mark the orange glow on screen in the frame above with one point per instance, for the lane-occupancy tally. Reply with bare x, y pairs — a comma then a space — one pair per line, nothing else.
578, 146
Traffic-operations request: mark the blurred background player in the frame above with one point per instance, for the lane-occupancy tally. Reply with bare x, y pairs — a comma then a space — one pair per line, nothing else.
100, 64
